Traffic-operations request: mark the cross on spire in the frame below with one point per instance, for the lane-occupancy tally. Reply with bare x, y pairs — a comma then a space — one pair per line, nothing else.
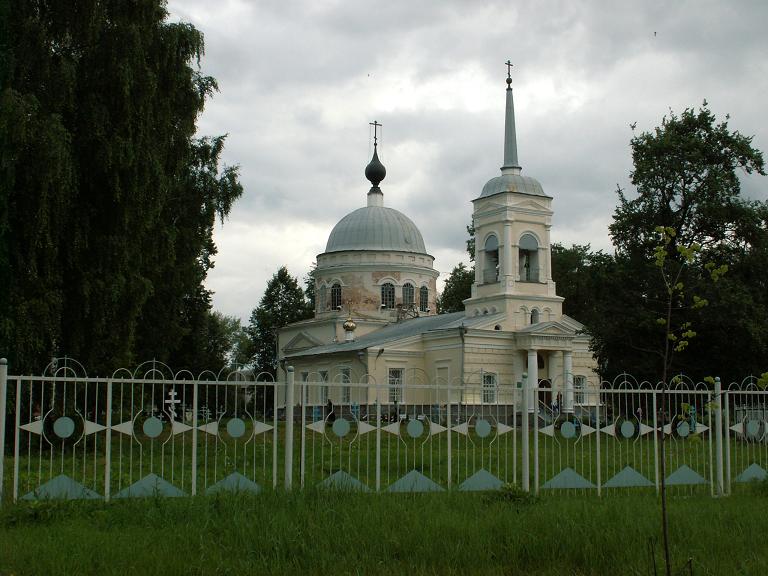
509, 68
375, 125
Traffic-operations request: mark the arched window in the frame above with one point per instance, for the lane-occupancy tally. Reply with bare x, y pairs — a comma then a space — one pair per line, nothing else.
424, 299
491, 260
534, 316
321, 299
387, 295
529, 258
336, 296
408, 295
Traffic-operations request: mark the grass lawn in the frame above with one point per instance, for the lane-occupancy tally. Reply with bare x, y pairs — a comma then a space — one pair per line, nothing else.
336, 533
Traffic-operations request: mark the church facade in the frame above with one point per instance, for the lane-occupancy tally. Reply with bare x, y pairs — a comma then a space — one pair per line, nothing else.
376, 320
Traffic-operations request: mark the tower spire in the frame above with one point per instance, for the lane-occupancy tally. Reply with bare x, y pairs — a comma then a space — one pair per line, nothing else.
511, 164
375, 172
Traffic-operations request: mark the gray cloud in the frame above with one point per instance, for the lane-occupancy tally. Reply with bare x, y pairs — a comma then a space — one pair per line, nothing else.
301, 80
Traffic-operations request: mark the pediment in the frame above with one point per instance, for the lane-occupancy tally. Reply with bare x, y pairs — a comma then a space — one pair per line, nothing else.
531, 204
553, 328
302, 341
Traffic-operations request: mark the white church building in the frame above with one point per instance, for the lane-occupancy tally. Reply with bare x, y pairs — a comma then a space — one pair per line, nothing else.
376, 320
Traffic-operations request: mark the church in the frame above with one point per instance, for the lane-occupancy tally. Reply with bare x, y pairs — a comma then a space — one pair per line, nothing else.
375, 316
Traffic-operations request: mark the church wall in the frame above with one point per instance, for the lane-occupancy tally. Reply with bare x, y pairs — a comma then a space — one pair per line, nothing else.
362, 273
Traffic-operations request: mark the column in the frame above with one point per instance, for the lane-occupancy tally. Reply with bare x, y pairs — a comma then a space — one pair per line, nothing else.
568, 379
533, 380
479, 262
507, 269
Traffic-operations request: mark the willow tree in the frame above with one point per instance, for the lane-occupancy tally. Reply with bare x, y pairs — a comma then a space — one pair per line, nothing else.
107, 199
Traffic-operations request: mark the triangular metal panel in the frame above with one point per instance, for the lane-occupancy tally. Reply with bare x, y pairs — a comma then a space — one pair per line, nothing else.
667, 428
235, 482
179, 427
415, 481
210, 428
393, 428
610, 429
364, 428
684, 476
261, 427
435, 428
340, 480
124, 428
628, 477
317, 426
61, 487
92, 427
568, 478
701, 428
586, 430
754, 472
738, 427
503, 428
548, 430
480, 481
35, 427
645, 429
150, 486
462, 428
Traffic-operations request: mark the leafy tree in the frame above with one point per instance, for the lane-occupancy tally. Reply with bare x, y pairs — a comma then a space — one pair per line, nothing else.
458, 287
686, 177
283, 303
106, 200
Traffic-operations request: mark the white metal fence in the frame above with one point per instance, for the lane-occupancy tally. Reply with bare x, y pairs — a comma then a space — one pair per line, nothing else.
151, 432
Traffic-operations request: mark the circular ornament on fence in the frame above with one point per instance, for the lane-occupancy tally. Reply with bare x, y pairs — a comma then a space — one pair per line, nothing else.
752, 428
152, 427
568, 429
235, 427
415, 428
340, 427
683, 429
483, 428
64, 427
627, 429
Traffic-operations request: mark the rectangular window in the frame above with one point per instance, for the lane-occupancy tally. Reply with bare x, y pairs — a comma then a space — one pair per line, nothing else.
346, 391
395, 385
324, 387
489, 388
579, 383
304, 388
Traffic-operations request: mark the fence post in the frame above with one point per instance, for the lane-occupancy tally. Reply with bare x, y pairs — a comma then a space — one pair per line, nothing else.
524, 434
195, 423
289, 429
719, 435
108, 446
378, 441
3, 414
727, 420
450, 432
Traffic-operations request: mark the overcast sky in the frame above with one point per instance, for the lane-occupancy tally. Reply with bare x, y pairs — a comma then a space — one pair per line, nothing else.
300, 81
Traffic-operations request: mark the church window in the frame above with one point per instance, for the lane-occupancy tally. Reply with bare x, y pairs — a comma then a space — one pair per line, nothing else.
336, 296
529, 258
578, 389
491, 260
424, 299
489, 388
395, 385
534, 316
408, 295
321, 297
346, 392
387, 295
324, 386
305, 390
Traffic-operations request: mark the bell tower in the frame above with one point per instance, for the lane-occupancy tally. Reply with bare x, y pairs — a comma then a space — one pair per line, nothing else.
512, 219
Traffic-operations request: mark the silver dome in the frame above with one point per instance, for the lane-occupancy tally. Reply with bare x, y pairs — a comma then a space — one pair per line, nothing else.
512, 183
376, 228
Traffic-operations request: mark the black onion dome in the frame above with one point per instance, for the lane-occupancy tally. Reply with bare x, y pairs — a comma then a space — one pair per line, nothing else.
375, 171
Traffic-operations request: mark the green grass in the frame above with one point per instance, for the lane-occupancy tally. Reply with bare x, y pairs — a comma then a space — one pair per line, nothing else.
336, 533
